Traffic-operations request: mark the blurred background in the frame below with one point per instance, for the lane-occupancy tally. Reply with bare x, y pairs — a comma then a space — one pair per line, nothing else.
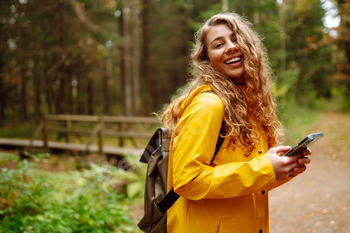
128, 58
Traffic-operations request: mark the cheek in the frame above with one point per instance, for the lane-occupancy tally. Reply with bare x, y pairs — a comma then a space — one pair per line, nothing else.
214, 59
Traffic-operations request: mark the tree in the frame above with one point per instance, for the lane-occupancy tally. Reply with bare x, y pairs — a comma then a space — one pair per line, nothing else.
146, 55
136, 57
343, 42
23, 82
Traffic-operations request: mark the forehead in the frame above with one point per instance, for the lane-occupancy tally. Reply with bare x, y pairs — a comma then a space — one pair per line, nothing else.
217, 31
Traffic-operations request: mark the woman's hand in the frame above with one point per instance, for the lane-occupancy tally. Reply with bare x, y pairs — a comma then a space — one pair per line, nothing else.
287, 166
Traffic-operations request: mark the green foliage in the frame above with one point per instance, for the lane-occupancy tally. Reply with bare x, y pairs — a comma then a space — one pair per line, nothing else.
285, 81
80, 42
33, 200
24, 130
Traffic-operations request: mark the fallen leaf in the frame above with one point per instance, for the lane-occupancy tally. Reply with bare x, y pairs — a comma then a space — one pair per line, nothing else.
324, 211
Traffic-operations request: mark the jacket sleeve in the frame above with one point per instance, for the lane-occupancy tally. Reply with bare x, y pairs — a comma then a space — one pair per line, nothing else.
192, 149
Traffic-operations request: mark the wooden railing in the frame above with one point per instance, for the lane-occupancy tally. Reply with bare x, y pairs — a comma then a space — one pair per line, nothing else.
99, 131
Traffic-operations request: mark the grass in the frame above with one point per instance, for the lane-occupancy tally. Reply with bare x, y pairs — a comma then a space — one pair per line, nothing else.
300, 125
18, 130
299, 121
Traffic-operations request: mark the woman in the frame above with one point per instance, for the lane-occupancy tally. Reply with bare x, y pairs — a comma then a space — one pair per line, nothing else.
232, 85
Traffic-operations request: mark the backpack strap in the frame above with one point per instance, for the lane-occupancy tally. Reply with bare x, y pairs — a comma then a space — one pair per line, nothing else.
171, 196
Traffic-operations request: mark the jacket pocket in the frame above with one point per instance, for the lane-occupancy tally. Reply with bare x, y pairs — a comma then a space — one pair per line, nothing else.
225, 226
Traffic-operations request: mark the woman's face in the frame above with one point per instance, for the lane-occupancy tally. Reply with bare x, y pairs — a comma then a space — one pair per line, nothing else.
224, 53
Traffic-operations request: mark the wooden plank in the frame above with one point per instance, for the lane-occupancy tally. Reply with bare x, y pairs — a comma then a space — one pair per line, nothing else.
72, 118
111, 133
45, 132
92, 137
70, 146
72, 131
37, 132
121, 139
123, 119
20, 142
100, 136
127, 134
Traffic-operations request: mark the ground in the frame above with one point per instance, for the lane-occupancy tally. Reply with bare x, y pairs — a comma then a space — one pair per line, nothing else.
319, 199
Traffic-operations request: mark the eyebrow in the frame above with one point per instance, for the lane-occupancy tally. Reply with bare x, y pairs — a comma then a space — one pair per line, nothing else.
220, 38
217, 38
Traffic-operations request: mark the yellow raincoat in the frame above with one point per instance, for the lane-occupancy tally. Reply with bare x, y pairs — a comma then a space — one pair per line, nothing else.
229, 195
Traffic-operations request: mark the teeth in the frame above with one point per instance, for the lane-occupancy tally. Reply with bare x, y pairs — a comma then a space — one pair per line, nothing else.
233, 60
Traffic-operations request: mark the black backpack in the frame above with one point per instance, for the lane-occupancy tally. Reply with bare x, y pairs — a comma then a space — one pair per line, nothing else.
157, 200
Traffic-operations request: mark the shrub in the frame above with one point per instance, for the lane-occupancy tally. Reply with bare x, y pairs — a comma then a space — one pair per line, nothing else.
33, 200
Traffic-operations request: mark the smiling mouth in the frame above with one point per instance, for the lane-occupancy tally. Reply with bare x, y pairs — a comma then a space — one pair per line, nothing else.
234, 60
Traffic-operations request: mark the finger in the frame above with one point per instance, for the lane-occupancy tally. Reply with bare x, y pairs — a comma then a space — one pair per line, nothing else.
304, 160
282, 153
307, 152
293, 165
299, 169
281, 149
302, 154
294, 158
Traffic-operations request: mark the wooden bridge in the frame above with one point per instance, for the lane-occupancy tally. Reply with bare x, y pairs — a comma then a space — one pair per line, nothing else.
125, 129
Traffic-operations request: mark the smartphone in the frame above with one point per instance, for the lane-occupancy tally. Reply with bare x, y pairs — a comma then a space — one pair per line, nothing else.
303, 144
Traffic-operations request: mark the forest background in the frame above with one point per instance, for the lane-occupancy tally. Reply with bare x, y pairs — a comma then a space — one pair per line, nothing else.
128, 58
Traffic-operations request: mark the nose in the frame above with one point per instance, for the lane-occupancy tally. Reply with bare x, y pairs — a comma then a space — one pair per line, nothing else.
231, 47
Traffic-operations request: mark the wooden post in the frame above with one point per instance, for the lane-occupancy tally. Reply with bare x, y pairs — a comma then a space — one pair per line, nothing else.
100, 135
36, 134
45, 133
120, 128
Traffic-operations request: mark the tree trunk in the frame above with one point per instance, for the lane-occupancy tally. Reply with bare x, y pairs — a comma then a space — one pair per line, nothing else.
47, 78
2, 104
256, 14
105, 86
184, 46
36, 88
146, 59
48, 98
127, 58
81, 88
122, 58
69, 89
283, 35
23, 84
90, 96
136, 58
62, 95
224, 5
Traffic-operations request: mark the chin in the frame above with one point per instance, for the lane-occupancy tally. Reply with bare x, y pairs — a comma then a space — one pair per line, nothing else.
238, 80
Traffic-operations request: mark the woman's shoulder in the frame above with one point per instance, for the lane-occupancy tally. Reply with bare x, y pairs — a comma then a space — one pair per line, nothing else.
204, 104
208, 98
202, 100
205, 98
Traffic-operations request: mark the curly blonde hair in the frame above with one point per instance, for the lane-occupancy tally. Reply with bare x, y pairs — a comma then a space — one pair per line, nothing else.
257, 74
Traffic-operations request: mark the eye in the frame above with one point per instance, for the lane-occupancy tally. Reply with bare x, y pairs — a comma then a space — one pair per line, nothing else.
218, 45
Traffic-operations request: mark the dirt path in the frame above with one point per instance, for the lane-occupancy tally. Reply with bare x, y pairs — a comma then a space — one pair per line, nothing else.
318, 200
